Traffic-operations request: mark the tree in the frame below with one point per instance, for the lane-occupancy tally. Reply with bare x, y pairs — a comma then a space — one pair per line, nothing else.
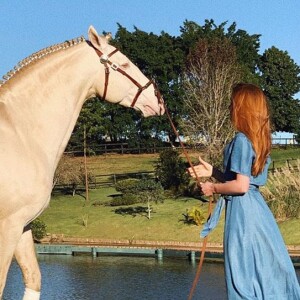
171, 171
212, 70
247, 51
136, 191
71, 173
163, 58
281, 81
150, 191
247, 46
160, 57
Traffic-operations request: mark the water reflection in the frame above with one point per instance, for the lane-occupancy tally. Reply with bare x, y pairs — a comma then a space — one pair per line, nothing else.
125, 278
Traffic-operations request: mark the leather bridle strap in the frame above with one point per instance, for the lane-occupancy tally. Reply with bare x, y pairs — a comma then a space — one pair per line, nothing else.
140, 90
104, 59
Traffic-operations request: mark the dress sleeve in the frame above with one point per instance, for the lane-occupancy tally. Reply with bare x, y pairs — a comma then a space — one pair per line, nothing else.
241, 156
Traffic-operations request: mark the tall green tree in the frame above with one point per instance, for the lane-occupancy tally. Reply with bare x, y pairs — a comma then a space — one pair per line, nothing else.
281, 81
159, 57
247, 46
163, 57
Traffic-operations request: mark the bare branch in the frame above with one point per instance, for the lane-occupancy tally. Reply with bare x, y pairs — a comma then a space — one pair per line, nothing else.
211, 72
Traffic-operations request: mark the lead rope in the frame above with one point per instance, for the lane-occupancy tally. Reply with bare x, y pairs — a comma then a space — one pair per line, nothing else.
199, 269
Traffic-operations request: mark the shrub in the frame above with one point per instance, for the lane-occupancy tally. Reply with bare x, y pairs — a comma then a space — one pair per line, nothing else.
139, 191
38, 228
127, 186
194, 216
125, 199
171, 171
282, 192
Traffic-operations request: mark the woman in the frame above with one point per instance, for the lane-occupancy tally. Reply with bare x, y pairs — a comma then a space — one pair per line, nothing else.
257, 264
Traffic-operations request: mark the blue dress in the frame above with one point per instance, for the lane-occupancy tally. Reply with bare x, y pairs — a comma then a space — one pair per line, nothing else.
257, 263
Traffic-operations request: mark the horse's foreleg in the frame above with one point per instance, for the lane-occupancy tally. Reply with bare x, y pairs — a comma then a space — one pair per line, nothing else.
26, 258
9, 236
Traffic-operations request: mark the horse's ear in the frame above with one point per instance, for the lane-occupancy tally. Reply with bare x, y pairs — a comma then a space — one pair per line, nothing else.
108, 36
99, 42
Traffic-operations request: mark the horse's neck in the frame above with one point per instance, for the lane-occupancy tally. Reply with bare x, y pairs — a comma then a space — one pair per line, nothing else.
43, 104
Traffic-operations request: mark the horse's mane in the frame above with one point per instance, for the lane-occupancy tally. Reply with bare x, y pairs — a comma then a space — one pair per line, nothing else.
38, 55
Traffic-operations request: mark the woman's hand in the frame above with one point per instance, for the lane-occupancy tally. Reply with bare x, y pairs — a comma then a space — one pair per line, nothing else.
207, 188
204, 169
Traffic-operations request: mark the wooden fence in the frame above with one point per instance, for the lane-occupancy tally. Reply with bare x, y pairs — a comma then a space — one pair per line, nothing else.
106, 180
111, 179
125, 148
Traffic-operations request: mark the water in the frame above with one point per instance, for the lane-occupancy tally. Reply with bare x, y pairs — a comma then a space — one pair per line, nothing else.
125, 278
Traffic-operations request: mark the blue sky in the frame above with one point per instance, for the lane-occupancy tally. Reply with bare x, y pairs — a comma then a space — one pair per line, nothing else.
29, 25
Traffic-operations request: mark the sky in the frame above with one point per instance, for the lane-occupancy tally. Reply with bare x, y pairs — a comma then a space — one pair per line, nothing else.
29, 25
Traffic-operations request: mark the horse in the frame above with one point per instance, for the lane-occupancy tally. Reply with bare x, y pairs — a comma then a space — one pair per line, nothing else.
40, 101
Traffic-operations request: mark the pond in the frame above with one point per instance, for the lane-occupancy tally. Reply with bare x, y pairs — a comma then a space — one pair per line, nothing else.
118, 277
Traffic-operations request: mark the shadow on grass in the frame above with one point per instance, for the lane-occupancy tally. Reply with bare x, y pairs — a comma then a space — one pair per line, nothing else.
133, 211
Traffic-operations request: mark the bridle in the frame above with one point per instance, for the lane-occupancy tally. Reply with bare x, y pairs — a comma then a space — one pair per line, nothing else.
108, 64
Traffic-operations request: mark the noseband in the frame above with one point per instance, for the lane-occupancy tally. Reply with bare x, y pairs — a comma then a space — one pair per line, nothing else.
105, 60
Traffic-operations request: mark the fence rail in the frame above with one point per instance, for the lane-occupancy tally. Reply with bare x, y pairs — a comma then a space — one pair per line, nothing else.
125, 148
106, 180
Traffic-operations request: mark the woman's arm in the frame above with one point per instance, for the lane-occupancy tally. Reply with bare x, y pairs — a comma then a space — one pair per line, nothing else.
240, 185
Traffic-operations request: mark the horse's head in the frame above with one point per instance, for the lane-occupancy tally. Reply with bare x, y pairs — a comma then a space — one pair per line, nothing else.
124, 83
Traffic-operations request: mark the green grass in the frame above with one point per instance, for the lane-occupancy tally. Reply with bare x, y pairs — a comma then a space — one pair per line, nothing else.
129, 163
119, 164
65, 216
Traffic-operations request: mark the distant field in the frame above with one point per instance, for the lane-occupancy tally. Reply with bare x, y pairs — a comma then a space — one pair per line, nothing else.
67, 215
130, 163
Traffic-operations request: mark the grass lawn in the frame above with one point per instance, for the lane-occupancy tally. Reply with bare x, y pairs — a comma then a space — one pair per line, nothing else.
66, 215
129, 163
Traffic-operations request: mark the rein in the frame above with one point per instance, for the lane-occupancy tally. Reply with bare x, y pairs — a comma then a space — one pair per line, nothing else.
203, 249
105, 60
108, 64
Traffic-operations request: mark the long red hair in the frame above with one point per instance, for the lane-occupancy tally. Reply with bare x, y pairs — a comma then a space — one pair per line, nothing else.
250, 115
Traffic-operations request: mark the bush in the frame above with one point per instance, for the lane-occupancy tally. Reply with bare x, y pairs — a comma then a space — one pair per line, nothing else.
139, 191
126, 199
171, 172
127, 186
282, 193
194, 216
38, 228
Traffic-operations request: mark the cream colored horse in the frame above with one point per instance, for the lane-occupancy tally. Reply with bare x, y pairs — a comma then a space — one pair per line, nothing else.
40, 101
